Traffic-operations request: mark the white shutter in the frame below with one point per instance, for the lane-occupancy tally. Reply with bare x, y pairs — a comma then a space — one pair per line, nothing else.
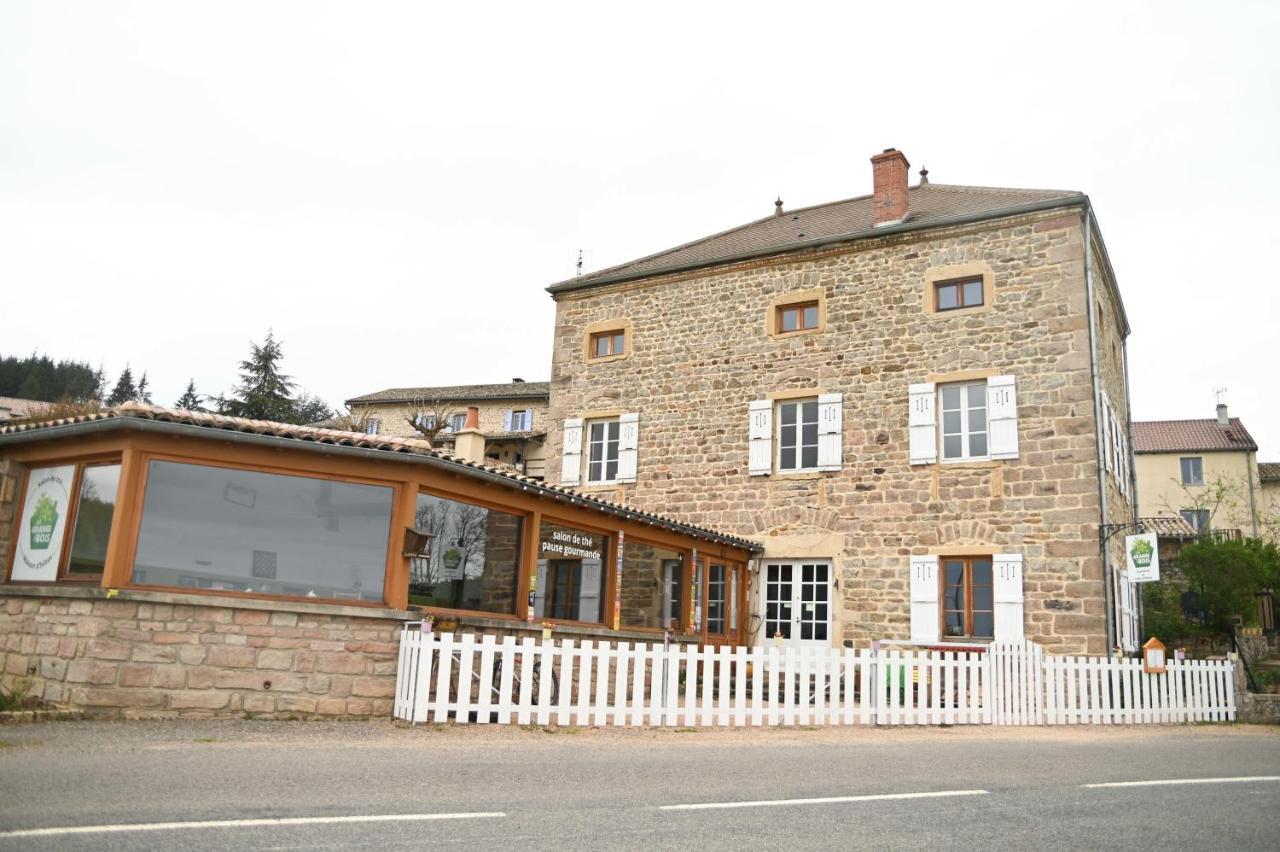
1002, 417
628, 444
761, 437
571, 454
924, 600
506, 421
830, 425
528, 419
923, 423
1008, 596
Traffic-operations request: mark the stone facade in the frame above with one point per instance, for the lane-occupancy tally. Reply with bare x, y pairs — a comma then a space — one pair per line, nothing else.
142, 657
702, 351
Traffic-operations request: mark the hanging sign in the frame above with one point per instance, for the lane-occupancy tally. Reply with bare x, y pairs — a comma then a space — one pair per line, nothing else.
45, 507
1142, 554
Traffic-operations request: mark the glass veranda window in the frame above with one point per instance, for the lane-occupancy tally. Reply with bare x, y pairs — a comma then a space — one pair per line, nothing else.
95, 507
571, 579
473, 560
798, 435
964, 421
651, 585
222, 528
603, 451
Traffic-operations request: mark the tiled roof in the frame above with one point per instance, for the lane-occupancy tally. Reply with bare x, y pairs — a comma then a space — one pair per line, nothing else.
1174, 436
1269, 471
141, 416
1168, 526
448, 437
459, 393
930, 205
16, 406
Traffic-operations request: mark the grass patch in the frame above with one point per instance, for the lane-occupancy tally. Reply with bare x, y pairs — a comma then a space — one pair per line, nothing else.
551, 729
686, 730
205, 740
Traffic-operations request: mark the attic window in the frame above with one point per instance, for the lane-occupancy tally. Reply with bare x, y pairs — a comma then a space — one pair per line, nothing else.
953, 295
801, 316
607, 343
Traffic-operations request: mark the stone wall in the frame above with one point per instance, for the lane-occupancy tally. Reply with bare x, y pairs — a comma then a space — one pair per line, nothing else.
392, 416
140, 656
702, 351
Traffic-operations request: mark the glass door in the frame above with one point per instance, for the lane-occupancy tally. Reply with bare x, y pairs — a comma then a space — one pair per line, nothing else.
797, 603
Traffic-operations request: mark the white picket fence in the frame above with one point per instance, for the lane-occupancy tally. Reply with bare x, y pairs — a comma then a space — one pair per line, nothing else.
479, 679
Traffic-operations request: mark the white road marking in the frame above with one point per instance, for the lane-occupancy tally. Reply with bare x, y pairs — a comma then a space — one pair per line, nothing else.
773, 803
240, 823
1239, 780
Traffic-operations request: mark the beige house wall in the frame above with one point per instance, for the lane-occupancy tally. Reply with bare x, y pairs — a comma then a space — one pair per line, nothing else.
701, 351
393, 417
1226, 488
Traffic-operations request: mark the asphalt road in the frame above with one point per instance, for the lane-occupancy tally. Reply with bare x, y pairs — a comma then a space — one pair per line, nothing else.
296, 785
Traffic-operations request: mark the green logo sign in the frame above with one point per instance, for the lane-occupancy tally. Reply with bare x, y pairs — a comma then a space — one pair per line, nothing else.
1141, 552
44, 520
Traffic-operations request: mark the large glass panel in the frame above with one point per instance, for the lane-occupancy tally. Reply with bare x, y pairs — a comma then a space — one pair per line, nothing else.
947, 297
223, 528
973, 293
473, 560
811, 316
651, 585
570, 573
96, 505
603, 458
717, 587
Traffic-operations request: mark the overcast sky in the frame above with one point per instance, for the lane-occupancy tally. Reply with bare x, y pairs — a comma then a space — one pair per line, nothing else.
390, 186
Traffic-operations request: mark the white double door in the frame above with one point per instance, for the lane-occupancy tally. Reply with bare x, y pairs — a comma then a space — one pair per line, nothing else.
797, 602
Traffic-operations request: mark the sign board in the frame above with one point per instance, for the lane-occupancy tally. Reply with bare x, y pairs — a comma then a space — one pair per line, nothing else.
1153, 657
1142, 555
46, 505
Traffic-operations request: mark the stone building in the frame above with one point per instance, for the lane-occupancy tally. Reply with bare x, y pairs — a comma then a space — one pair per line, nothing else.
916, 401
513, 417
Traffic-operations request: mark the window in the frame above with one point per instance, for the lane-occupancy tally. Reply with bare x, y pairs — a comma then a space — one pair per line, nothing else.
602, 457
798, 435
1192, 470
371, 426
607, 343
968, 596
456, 422
1197, 518
425, 421
65, 523
801, 316
717, 598
520, 421
570, 573
473, 560
964, 421
953, 295
650, 590
224, 528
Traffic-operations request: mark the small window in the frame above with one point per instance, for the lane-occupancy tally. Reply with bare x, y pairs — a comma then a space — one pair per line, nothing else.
968, 596
371, 426
425, 421
964, 421
602, 465
798, 317
1197, 518
456, 422
953, 295
798, 435
521, 421
1192, 470
607, 343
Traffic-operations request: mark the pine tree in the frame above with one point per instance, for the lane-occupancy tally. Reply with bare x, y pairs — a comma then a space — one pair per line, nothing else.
264, 393
190, 400
144, 393
125, 390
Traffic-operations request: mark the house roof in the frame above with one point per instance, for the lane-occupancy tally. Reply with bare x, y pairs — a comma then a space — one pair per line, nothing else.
1168, 526
13, 407
134, 415
454, 393
930, 205
528, 435
1175, 436
1269, 471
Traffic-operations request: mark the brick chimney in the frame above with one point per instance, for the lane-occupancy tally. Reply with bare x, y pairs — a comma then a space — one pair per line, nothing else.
889, 180
468, 442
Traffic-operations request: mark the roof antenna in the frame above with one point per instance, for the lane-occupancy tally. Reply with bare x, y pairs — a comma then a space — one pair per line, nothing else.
579, 262
777, 206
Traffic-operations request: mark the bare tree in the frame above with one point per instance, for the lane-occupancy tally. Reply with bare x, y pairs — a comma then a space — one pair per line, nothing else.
1227, 499
430, 417
351, 420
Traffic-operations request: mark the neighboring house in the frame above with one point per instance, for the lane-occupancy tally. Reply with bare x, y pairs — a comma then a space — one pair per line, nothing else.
1269, 490
1207, 471
915, 400
513, 417
15, 409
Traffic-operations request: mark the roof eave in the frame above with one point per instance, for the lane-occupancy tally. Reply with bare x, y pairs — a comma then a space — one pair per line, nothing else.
107, 424
573, 284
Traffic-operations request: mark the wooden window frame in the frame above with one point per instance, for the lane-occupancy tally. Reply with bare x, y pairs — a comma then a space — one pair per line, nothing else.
800, 309
959, 284
73, 515
967, 611
617, 343
799, 402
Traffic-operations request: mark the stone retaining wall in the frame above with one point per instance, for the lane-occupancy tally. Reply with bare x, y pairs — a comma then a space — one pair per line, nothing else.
134, 658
